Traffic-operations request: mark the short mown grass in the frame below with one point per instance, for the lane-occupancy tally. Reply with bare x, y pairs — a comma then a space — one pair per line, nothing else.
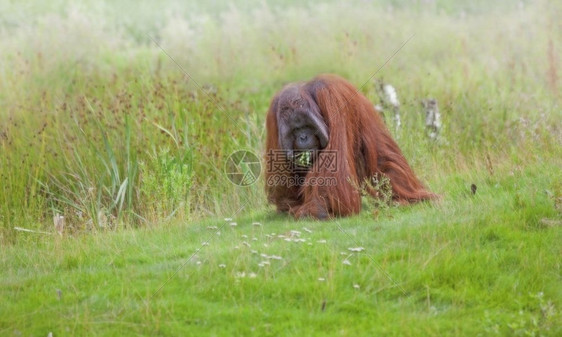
483, 264
120, 117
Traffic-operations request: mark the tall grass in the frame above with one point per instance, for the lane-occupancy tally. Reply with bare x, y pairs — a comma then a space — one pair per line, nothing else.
100, 125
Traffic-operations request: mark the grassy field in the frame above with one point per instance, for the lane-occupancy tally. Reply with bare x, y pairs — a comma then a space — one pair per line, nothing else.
121, 117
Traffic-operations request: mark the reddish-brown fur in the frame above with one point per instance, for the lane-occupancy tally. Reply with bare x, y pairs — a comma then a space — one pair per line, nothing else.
364, 148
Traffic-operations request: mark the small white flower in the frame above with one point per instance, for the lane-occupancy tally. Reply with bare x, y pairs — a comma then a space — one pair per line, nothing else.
254, 251
246, 244
321, 279
198, 262
356, 249
321, 241
391, 95
272, 257
356, 286
257, 224
233, 224
222, 265
206, 243
252, 275
295, 233
254, 239
244, 236
346, 262
227, 219
212, 227
306, 230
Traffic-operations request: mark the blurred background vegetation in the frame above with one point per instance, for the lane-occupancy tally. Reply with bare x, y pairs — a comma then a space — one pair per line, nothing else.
101, 125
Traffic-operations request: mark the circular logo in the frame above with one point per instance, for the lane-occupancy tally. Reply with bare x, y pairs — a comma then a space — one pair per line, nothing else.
243, 168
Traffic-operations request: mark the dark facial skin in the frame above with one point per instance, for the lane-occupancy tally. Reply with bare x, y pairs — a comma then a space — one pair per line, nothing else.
301, 126
305, 139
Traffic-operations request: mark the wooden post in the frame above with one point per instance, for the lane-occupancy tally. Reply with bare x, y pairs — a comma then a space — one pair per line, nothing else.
432, 118
389, 101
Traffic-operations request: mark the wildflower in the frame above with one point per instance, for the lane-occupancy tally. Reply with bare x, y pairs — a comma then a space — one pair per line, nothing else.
271, 257
295, 233
356, 249
391, 95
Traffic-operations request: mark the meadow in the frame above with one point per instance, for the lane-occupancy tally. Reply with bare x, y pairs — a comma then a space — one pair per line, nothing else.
120, 117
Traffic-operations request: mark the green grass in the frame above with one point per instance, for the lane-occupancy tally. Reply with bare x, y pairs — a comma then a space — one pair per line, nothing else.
100, 125
485, 264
